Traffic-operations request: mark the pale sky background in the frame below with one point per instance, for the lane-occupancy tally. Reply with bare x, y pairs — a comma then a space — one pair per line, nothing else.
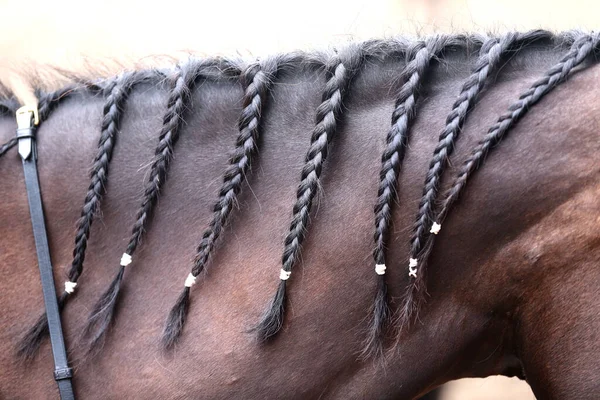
110, 35
69, 33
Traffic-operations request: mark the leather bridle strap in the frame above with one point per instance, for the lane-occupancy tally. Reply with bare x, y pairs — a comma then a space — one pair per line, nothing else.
27, 119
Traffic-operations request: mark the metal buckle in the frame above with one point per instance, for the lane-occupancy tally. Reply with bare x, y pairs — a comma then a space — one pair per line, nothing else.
24, 116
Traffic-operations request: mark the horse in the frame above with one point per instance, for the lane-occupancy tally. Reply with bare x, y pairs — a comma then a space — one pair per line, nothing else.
255, 232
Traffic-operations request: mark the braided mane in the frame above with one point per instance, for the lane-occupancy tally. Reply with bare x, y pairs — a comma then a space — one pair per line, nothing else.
257, 78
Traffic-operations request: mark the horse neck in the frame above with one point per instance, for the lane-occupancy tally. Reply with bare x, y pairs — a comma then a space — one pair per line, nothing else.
334, 282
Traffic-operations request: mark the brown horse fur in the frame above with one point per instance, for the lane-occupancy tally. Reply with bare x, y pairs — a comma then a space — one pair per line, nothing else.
512, 282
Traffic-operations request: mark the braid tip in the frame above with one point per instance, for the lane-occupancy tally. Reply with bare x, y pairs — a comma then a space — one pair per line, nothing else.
176, 320
272, 320
407, 311
103, 313
30, 343
380, 316
412, 302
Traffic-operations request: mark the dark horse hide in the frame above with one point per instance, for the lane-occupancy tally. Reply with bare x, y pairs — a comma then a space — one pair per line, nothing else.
298, 226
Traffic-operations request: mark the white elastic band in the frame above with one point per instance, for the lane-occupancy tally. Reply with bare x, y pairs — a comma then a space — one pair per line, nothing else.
125, 259
190, 280
284, 275
380, 269
435, 228
70, 286
412, 267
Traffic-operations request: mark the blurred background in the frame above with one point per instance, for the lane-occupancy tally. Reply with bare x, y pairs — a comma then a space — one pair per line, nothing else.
108, 35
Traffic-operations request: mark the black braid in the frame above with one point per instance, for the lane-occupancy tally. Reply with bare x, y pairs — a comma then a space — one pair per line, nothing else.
580, 49
329, 111
47, 102
180, 85
489, 59
8, 145
115, 92
419, 57
257, 80
396, 140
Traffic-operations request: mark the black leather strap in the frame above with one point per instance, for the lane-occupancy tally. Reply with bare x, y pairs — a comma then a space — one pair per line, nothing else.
27, 150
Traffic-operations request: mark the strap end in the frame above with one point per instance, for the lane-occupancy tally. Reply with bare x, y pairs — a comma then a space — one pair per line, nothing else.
27, 119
